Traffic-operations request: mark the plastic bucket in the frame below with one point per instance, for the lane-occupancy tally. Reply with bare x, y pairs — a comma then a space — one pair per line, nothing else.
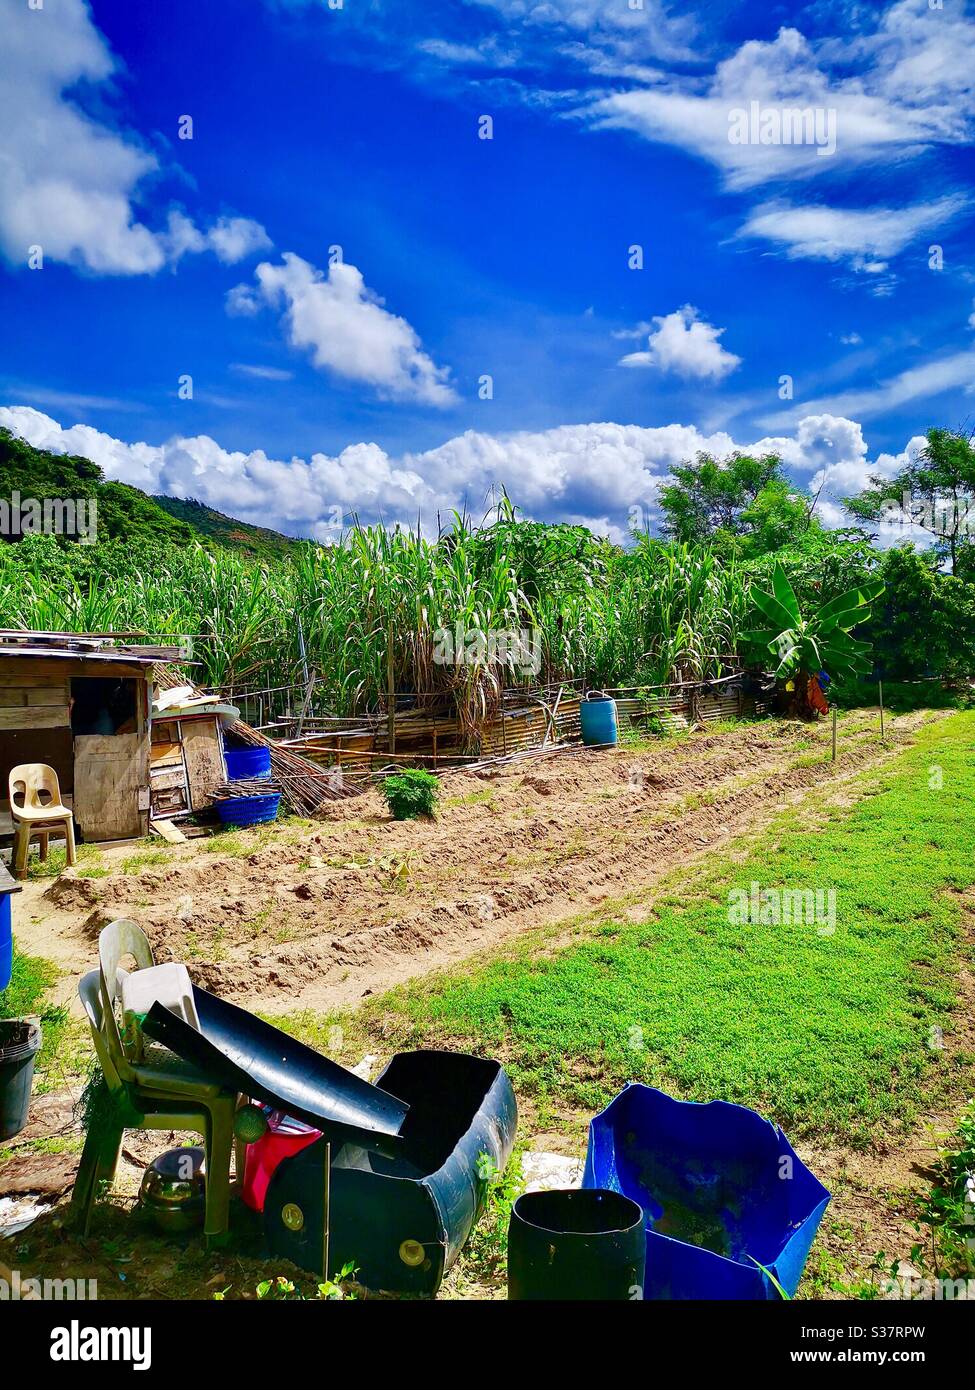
578, 1243
247, 762
20, 1042
597, 716
6, 942
249, 810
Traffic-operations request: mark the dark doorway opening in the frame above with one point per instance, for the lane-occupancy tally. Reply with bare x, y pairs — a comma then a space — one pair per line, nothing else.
103, 705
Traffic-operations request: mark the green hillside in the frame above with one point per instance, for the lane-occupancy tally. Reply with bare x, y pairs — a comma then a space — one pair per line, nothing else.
226, 530
124, 512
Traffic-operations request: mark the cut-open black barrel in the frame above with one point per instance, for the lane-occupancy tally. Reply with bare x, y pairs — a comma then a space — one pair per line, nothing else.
247, 1054
402, 1221
576, 1244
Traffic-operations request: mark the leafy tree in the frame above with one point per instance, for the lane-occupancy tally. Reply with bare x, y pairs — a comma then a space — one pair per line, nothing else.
925, 623
712, 495
779, 516
939, 488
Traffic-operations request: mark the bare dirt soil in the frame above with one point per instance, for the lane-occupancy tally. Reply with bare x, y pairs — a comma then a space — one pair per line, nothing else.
320, 914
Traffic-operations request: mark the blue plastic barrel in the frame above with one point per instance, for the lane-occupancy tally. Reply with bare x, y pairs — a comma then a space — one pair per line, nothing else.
597, 715
247, 762
249, 810
6, 941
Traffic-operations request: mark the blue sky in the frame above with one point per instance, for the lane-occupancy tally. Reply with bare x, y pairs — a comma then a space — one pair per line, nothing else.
337, 260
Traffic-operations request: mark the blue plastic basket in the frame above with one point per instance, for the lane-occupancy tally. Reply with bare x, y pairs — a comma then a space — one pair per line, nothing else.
249, 810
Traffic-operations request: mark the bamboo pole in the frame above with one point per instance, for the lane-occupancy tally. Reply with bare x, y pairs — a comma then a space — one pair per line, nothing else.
834, 733
390, 690
880, 688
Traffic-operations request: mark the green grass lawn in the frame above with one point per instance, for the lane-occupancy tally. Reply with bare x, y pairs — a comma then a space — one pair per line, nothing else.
828, 1033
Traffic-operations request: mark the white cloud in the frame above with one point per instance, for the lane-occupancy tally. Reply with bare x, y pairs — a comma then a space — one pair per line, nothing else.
862, 236
931, 379
827, 447
261, 373
851, 339
69, 183
683, 343
650, 30
345, 328
66, 181
593, 473
231, 239
895, 92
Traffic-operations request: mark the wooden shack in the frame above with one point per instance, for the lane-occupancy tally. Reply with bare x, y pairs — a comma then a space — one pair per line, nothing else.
83, 705
186, 761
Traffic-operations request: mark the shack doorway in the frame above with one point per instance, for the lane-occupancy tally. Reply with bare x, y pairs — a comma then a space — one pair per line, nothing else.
105, 705
111, 757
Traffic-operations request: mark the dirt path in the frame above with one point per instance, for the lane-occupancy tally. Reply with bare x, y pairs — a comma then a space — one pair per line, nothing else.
319, 915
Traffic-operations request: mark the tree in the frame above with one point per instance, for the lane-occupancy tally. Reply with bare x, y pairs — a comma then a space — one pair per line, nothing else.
924, 626
802, 646
935, 492
778, 517
740, 496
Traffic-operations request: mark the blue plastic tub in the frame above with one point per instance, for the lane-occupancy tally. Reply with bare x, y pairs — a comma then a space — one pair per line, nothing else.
597, 716
722, 1190
247, 762
249, 810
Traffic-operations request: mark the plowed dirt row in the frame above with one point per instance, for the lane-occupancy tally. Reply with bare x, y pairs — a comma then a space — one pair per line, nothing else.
318, 915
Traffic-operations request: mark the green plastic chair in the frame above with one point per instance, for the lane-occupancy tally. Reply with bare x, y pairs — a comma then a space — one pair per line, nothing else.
166, 1093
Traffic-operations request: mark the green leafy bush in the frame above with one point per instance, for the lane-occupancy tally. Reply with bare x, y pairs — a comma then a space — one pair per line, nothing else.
411, 793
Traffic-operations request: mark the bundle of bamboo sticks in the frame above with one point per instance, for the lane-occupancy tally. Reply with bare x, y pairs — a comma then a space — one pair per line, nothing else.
246, 787
304, 784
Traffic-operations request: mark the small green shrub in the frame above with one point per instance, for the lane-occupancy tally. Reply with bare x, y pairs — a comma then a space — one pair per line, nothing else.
949, 1209
411, 793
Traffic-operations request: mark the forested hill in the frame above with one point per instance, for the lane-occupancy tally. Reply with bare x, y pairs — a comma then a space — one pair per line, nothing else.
124, 512
225, 530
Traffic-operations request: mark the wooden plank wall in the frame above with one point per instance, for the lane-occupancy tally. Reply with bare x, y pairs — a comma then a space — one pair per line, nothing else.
34, 704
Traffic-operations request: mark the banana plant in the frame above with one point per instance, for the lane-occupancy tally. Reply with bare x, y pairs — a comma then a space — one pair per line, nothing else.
821, 641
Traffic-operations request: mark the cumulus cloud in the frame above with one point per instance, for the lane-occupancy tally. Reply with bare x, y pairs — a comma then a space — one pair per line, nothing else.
862, 236
343, 325
682, 342
69, 183
589, 473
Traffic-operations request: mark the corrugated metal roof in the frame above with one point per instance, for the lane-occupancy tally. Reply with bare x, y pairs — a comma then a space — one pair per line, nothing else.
66, 646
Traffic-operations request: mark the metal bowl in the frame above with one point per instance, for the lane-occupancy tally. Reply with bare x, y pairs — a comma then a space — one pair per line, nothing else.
174, 1190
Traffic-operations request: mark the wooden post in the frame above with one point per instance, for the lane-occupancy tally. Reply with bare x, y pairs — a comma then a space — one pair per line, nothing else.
834, 733
880, 688
390, 691
301, 649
